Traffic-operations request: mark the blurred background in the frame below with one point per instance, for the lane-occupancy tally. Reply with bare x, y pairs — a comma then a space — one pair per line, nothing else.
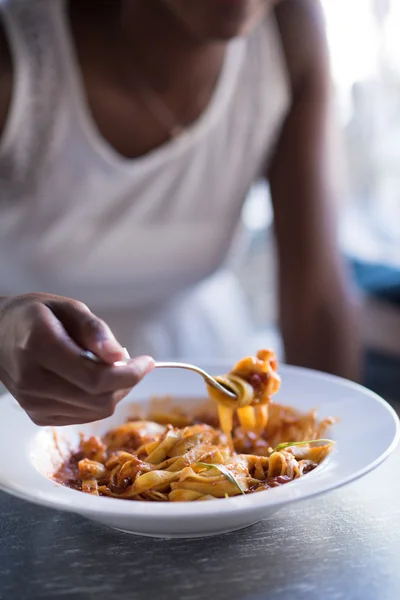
364, 38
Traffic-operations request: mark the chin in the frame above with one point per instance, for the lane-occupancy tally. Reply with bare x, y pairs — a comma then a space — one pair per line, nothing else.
225, 31
221, 19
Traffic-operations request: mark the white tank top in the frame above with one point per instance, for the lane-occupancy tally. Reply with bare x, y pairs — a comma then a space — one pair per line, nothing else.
139, 241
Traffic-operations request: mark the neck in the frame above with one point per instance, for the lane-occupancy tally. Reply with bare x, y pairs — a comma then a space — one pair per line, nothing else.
148, 35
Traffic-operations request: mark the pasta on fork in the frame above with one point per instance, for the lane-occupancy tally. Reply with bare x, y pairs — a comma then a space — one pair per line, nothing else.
254, 380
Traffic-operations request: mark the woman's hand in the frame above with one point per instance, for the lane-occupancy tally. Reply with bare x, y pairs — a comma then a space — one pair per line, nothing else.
41, 341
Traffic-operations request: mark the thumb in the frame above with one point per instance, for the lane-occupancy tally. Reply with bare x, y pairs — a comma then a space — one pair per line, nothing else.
88, 331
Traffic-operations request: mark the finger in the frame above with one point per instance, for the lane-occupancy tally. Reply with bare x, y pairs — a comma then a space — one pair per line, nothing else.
54, 350
66, 421
45, 387
120, 395
97, 379
57, 416
87, 330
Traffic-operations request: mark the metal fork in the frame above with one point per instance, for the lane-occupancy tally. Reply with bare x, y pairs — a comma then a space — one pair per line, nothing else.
170, 365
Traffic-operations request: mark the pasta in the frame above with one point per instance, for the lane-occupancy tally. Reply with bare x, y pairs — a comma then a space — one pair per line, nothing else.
174, 456
254, 380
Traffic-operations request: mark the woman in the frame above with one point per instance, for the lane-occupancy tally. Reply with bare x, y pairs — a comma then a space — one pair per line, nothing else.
132, 131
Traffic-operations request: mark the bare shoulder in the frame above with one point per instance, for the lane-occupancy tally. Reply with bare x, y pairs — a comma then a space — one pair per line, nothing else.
6, 76
302, 28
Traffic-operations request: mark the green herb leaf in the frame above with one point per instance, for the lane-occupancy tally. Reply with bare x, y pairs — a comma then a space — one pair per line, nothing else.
222, 469
280, 447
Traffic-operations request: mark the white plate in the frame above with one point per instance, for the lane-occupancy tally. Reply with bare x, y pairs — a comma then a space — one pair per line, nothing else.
367, 433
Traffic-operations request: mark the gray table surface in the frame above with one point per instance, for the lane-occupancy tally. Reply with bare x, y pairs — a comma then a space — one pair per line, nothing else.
344, 545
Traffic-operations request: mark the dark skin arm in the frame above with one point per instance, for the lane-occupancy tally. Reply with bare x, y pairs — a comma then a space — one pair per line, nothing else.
41, 338
317, 313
